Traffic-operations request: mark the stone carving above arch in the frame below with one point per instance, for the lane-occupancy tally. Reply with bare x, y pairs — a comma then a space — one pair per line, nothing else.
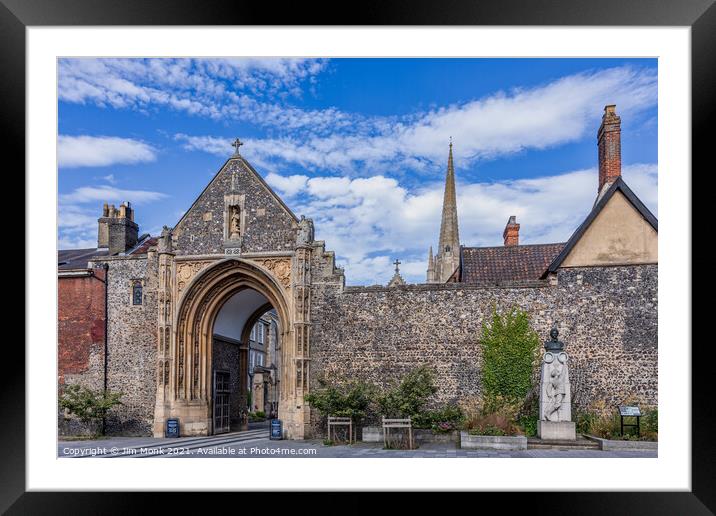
280, 268
186, 271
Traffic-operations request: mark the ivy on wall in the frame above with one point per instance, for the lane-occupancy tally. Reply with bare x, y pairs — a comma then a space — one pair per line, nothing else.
510, 349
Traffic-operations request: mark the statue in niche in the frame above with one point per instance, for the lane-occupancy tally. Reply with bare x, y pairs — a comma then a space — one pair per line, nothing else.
234, 223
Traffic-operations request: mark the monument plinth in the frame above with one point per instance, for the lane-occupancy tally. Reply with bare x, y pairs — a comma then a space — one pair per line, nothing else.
555, 413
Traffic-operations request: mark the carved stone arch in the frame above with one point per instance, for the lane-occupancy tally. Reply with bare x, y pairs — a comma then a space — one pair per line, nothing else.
190, 393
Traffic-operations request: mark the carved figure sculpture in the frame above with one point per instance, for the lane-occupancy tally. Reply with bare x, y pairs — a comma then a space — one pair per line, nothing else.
235, 223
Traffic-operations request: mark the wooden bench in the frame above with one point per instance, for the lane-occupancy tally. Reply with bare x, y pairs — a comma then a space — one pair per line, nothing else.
340, 421
397, 423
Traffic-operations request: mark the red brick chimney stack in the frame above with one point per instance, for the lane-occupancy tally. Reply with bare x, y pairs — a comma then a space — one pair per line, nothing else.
512, 232
610, 147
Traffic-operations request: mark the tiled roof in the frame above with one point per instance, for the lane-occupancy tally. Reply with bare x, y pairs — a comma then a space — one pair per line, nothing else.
144, 246
69, 259
493, 265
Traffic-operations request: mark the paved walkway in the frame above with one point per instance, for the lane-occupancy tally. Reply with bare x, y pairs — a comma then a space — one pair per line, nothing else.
255, 443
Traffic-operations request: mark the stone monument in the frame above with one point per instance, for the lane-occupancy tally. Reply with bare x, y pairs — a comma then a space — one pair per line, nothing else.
555, 414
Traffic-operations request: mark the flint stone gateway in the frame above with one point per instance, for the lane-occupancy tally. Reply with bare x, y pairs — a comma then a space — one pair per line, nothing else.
555, 413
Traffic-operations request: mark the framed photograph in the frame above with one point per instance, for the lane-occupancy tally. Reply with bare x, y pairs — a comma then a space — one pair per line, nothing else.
425, 246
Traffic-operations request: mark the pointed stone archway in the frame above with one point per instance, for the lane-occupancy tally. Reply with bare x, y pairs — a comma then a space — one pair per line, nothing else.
184, 391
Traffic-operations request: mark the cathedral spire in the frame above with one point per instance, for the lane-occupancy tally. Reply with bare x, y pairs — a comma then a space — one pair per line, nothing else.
447, 259
449, 234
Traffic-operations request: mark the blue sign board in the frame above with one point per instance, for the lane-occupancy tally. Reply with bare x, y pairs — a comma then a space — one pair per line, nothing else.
276, 430
172, 429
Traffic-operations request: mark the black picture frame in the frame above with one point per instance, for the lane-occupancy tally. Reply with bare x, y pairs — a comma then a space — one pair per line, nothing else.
700, 15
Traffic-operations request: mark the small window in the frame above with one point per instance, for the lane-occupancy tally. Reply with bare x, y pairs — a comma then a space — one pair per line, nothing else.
137, 293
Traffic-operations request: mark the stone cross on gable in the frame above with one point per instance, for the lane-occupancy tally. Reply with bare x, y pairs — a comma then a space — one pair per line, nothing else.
237, 143
397, 263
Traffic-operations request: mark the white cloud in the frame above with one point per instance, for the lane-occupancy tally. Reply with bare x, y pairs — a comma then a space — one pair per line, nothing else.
73, 217
109, 194
101, 151
215, 88
504, 123
371, 221
287, 186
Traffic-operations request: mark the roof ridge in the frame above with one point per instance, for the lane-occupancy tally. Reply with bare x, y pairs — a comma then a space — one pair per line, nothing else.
511, 246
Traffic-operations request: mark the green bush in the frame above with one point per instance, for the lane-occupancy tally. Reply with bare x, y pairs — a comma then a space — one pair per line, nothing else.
442, 420
528, 414
510, 350
349, 399
487, 430
408, 398
602, 420
88, 405
257, 416
584, 421
650, 424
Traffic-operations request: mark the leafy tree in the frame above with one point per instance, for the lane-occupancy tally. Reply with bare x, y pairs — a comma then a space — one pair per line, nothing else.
408, 398
509, 349
89, 406
347, 399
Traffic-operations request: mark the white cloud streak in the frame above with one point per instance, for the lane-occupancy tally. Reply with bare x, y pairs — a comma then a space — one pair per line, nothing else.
101, 151
85, 194
501, 124
247, 89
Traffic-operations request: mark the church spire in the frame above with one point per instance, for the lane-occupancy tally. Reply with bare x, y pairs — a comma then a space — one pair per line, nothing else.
447, 259
449, 234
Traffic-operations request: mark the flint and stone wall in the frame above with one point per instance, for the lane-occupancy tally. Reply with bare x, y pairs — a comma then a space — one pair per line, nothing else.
607, 317
268, 225
132, 344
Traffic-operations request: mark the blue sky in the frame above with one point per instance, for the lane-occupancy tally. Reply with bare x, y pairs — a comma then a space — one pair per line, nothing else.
359, 145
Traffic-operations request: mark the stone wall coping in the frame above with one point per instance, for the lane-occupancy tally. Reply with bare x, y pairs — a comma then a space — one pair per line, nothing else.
444, 286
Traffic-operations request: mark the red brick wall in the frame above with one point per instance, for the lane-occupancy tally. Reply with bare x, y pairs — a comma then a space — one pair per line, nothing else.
80, 323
